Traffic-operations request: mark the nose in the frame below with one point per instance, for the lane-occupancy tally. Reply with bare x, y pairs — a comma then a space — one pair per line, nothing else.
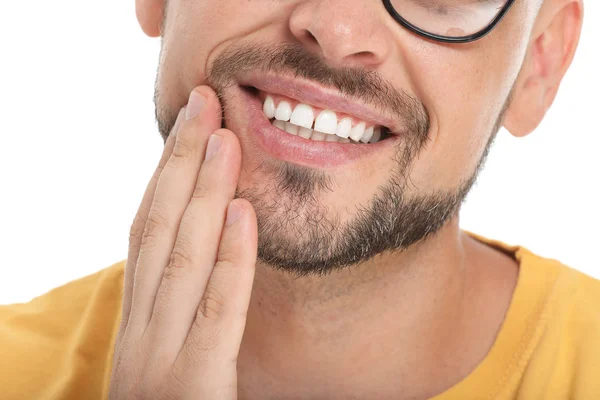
344, 32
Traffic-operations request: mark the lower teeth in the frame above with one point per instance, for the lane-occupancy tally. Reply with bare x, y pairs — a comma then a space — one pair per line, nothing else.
308, 134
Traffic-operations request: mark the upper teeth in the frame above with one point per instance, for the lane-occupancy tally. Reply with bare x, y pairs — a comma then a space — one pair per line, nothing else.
303, 115
326, 121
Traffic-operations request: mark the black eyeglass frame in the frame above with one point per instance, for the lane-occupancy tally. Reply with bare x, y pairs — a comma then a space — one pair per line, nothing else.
448, 39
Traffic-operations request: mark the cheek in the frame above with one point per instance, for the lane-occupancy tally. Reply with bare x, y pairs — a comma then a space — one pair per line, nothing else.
464, 88
195, 31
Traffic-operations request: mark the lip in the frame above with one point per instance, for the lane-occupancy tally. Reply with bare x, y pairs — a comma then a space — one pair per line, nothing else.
313, 94
295, 149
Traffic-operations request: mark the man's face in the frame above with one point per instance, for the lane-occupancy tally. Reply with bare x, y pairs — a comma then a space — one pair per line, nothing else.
322, 205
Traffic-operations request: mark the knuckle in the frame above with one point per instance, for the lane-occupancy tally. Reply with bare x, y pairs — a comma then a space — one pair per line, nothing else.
179, 381
156, 223
182, 150
205, 342
137, 226
201, 190
179, 262
183, 245
213, 304
228, 258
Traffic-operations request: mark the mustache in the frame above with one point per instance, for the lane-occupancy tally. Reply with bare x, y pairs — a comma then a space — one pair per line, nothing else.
353, 82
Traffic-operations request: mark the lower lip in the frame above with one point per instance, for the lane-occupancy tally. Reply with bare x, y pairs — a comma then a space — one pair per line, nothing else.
298, 150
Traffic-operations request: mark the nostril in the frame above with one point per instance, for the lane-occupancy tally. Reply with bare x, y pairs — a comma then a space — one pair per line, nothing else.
365, 58
310, 37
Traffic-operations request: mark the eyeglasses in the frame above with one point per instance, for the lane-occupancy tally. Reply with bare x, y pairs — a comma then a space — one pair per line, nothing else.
451, 21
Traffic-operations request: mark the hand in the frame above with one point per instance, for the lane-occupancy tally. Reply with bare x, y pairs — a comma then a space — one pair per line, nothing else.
190, 269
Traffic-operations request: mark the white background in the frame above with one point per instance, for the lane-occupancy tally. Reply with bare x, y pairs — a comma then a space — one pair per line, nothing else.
79, 144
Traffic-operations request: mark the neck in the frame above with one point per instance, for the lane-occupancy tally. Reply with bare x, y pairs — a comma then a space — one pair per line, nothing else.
389, 325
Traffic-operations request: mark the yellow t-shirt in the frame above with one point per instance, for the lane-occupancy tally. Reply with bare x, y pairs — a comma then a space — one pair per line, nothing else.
60, 345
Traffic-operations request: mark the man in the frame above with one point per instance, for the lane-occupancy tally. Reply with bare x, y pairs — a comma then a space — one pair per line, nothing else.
349, 133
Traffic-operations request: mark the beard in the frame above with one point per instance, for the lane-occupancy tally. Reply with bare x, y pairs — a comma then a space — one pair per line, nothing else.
297, 233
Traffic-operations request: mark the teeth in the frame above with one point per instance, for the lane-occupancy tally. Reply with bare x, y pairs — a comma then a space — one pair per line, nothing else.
305, 132
269, 107
318, 136
367, 135
332, 138
283, 111
344, 127
326, 122
291, 128
376, 136
357, 132
303, 115
326, 126
279, 124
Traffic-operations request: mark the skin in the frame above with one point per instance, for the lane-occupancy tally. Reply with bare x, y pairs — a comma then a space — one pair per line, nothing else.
367, 331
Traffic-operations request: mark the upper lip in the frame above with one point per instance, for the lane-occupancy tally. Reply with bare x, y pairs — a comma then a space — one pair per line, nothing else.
314, 94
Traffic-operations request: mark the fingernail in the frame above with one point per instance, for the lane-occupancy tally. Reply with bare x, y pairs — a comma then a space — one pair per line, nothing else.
234, 212
195, 105
214, 142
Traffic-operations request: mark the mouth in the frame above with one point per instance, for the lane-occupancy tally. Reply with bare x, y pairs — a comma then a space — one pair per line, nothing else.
318, 124
296, 121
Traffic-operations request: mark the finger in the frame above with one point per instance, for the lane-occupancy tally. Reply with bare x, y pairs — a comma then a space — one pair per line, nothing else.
195, 252
217, 331
139, 222
173, 192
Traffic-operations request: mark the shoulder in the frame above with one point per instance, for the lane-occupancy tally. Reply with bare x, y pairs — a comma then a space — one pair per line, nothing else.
571, 292
567, 352
553, 325
59, 343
